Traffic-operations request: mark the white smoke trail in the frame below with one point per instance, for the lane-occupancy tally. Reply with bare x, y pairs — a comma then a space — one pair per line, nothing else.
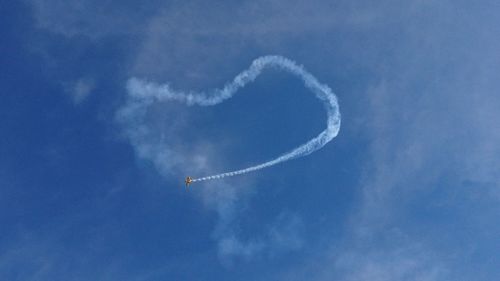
148, 92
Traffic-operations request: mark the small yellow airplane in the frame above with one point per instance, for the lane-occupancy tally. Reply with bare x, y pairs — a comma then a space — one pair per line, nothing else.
188, 181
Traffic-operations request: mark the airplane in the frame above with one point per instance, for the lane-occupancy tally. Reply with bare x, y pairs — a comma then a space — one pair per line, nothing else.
188, 181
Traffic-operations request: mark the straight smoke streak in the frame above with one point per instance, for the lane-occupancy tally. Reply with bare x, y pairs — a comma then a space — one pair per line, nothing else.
148, 92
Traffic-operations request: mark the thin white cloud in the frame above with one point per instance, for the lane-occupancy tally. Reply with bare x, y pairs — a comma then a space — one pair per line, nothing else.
89, 18
401, 263
158, 133
198, 38
432, 128
285, 234
80, 90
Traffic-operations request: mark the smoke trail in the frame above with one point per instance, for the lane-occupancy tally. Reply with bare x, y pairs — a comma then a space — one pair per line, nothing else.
148, 92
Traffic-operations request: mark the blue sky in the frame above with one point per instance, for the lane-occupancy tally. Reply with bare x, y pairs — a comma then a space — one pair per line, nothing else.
408, 190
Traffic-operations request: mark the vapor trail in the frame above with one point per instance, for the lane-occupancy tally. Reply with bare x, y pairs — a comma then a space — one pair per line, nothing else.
149, 92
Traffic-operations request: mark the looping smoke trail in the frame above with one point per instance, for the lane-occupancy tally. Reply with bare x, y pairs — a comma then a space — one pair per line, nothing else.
149, 92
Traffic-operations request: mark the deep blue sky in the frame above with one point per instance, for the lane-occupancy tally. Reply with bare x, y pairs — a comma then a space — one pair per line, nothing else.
409, 190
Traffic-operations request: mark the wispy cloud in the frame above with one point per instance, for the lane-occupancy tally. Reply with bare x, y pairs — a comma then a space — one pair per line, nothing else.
197, 38
408, 262
284, 234
81, 17
80, 90
431, 127
164, 144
